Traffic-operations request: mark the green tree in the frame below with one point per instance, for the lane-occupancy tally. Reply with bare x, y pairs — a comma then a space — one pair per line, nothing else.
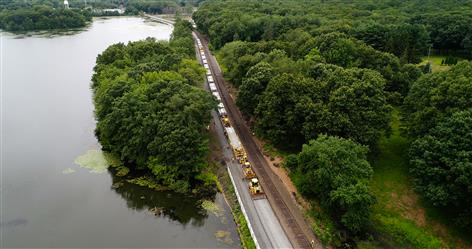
192, 71
407, 41
282, 109
436, 96
150, 112
442, 165
253, 86
350, 103
335, 171
42, 17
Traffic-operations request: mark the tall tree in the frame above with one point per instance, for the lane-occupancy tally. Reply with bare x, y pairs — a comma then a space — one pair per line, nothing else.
335, 171
436, 96
253, 86
442, 165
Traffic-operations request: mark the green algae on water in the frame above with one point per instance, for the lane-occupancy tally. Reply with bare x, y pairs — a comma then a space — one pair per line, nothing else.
212, 207
224, 236
98, 162
115, 162
94, 161
68, 171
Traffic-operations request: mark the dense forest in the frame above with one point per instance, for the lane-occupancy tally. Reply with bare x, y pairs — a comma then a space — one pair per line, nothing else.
328, 80
42, 18
151, 109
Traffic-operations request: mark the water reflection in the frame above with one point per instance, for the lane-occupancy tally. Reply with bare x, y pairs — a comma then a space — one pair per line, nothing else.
163, 204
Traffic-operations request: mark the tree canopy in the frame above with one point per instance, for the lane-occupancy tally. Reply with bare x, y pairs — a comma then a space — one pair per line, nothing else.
345, 102
149, 109
42, 18
442, 165
403, 28
436, 96
336, 172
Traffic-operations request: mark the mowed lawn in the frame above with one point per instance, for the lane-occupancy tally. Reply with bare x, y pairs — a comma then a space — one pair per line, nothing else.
399, 215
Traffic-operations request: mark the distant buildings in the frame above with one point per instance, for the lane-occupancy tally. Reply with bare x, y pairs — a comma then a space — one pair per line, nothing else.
109, 11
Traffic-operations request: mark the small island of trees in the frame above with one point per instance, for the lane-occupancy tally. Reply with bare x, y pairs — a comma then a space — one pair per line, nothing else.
42, 18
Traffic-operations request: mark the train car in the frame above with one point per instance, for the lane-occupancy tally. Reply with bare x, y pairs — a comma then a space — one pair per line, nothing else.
204, 61
222, 112
213, 87
206, 66
204, 57
234, 139
217, 96
208, 73
210, 79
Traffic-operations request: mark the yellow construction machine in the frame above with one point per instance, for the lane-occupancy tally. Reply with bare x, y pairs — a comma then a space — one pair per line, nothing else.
225, 121
255, 188
248, 171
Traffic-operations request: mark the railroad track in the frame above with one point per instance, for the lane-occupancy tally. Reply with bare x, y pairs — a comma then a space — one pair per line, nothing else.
300, 238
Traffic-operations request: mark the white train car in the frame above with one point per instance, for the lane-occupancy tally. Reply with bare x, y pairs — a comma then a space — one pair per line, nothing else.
222, 112
217, 95
206, 66
213, 87
204, 61
233, 139
208, 73
210, 79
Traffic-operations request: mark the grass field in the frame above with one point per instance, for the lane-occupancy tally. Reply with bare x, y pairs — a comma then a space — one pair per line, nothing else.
399, 216
435, 62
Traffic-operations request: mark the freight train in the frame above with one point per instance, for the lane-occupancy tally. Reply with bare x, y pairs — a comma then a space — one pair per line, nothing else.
239, 153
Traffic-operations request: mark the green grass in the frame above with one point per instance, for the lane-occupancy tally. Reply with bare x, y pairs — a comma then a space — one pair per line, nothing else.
399, 216
435, 62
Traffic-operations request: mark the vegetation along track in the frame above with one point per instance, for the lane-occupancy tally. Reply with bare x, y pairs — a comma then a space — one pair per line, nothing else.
281, 201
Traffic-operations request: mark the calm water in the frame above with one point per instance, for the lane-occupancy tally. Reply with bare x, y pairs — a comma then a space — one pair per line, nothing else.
47, 120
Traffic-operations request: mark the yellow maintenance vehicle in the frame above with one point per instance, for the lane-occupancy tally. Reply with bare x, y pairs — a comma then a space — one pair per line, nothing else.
242, 158
248, 171
239, 153
225, 121
255, 188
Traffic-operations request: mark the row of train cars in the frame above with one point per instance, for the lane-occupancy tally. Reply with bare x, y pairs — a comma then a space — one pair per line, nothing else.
239, 152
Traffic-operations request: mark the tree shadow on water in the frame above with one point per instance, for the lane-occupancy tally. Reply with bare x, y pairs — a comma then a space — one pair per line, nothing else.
163, 204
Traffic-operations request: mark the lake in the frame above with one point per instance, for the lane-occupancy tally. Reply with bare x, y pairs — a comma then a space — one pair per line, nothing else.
47, 121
